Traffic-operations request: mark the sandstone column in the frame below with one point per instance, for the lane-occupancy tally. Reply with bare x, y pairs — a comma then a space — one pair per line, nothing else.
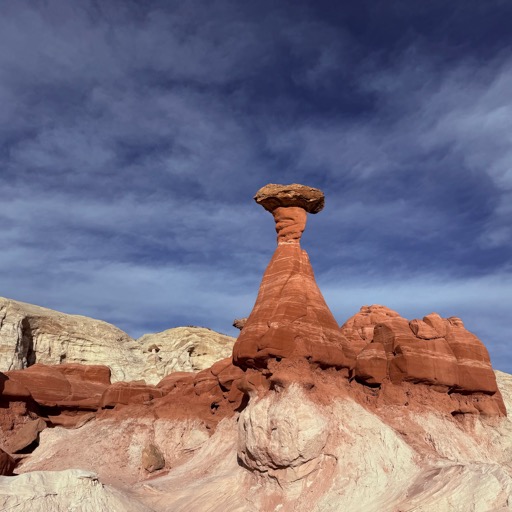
290, 317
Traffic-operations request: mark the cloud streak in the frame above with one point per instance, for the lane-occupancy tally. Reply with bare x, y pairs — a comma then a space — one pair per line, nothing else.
134, 136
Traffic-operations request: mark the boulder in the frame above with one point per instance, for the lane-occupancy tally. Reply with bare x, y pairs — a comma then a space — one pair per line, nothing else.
272, 196
152, 458
66, 385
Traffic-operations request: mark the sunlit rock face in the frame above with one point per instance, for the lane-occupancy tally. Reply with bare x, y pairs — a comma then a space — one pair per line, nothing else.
283, 434
290, 317
434, 351
376, 347
381, 414
31, 334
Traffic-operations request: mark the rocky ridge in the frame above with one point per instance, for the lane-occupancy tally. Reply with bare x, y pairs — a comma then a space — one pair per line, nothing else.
382, 414
31, 334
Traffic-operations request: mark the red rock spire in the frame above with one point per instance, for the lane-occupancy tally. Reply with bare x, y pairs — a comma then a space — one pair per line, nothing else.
290, 317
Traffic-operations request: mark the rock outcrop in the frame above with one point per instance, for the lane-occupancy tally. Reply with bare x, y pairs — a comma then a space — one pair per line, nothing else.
182, 349
31, 334
290, 317
67, 385
358, 329
64, 491
239, 323
7, 463
434, 351
381, 414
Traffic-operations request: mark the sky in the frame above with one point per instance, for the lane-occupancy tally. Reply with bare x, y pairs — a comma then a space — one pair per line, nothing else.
134, 136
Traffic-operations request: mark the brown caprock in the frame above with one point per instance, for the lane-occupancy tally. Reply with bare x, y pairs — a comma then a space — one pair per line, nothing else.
290, 318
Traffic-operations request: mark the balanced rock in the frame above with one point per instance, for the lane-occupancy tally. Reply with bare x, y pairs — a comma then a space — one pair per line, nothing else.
290, 317
152, 459
272, 196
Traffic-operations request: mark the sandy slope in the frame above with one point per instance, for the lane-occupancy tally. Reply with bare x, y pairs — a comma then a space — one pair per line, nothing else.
286, 452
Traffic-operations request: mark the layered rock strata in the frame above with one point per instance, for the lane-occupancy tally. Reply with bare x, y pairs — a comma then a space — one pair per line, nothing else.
381, 414
377, 347
31, 334
290, 317
181, 349
436, 352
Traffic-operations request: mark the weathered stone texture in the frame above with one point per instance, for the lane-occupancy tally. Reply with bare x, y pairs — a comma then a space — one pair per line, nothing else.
272, 196
31, 334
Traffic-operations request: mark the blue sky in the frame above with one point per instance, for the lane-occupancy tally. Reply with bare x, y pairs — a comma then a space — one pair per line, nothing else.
134, 135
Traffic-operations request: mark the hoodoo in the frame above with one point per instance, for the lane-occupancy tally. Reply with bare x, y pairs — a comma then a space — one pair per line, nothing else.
292, 326
380, 414
290, 318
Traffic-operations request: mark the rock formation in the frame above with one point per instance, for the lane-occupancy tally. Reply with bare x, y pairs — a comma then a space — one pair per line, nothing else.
290, 317
436, 352
32, 334
381, 414
63, 491
182, 349
7, 464
239, 323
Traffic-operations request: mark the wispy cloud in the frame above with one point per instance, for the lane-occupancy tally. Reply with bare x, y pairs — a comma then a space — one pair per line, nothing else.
133, 135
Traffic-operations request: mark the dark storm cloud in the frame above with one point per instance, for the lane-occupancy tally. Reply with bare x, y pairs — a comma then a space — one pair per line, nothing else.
133, 135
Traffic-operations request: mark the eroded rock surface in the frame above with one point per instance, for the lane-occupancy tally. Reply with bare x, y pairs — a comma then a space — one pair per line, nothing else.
182, 349
382, 414
435, 351
63, 491
7, 463
239, 323
283, 434
290, 317
31, 334
272, 196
